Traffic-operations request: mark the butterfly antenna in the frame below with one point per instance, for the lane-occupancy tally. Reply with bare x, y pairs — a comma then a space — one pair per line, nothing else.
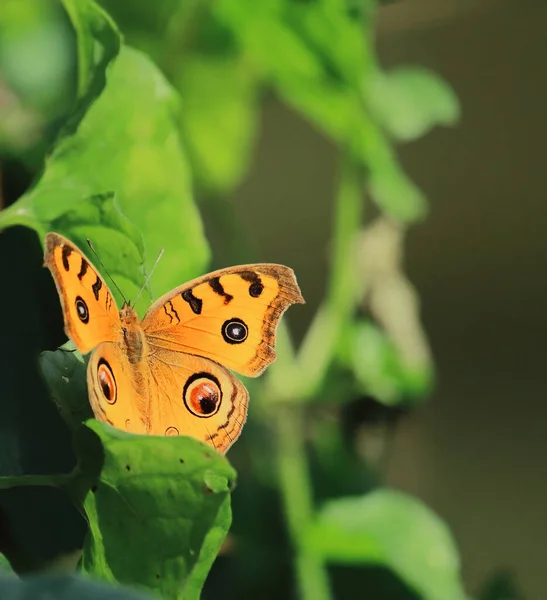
105, 269
160, 254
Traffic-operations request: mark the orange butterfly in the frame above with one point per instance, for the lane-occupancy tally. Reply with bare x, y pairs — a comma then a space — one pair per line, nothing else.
166, 374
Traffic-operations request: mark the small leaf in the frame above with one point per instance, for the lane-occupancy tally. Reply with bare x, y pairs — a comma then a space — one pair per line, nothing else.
410, 101
166, 498
391, 529
116, 240
380, 370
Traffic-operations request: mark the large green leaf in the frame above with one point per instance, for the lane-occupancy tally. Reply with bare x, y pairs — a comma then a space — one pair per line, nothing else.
391, 529
126, 143
158, 513
166, 499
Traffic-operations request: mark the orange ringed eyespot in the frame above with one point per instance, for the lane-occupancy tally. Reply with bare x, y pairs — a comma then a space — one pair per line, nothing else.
107, 382
202, 395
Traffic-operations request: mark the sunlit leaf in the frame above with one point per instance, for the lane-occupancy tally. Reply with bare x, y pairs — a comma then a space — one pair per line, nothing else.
116, 240
98, 42
127, 143
165, 498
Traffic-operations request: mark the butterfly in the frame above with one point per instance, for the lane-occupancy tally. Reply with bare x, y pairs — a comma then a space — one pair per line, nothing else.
168, 374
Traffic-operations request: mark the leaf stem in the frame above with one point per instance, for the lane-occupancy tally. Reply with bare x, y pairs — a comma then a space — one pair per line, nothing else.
303, 375
296, 490
319, 345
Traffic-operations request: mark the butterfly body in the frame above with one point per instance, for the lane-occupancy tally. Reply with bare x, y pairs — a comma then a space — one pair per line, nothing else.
166, 374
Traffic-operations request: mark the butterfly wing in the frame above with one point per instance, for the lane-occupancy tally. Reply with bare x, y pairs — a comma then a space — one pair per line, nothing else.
179, 394
89, 309
229, 316
114, 395
197, 397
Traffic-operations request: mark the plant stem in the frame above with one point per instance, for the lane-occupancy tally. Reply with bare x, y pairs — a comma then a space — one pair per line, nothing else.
296, 490
306, 376
319, 345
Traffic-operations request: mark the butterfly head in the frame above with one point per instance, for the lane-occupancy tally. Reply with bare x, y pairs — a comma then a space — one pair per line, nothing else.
128, 315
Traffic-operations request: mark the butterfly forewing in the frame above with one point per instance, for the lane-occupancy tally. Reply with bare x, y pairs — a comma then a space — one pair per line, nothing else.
89, 309
229, 316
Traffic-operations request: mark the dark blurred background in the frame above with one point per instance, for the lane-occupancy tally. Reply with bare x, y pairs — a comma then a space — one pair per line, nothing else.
476, 451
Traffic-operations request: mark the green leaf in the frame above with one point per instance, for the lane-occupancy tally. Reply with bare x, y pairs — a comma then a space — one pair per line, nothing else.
65, 373
165, 498
64, 587
219, 119
379, 368
410, 101
391, 529
127, 143
395, 194
292, 45
116, 240
5, 567
98, 42
41, 51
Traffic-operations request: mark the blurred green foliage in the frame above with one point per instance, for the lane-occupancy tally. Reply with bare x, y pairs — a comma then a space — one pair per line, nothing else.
112, 138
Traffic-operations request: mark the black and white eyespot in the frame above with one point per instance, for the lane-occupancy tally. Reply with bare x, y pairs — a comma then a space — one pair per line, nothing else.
234, 331
81, 309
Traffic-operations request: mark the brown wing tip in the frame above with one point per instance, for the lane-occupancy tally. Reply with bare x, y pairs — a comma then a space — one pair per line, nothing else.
51, 241
286, 280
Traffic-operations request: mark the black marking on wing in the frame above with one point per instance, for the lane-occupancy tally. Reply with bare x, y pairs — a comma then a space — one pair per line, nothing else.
96, 287
195, 303
175, 313
257, 287
67, 251
228, 416
170, 316
83, 269
216, 286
